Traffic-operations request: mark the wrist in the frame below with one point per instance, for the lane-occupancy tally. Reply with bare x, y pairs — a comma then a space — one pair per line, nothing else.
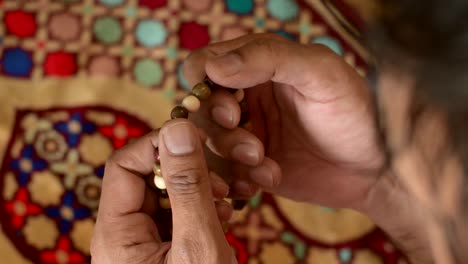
399, 215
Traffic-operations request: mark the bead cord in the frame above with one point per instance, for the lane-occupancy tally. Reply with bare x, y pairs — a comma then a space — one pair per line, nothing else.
191, 104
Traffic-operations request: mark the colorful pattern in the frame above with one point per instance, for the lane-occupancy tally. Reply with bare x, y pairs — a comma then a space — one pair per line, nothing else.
143, 41
55, 165
83, 78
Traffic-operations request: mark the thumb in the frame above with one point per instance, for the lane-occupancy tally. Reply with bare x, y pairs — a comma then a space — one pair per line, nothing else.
197, 233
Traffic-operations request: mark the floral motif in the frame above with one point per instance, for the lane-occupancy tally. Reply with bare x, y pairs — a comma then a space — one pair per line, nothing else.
88, 191
32, 125
120, 132
74, 127
67, 212
63, 253
241, 252
20, 207
254, 232
50, 145
71, 168
26, 164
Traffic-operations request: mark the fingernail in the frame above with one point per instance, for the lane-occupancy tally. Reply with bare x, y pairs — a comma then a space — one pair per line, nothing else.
263, 176
246, 153
222, 115
180, 139
244, 188
229, 63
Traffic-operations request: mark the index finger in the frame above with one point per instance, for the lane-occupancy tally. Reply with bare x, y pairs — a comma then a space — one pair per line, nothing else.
123, 186
194, 65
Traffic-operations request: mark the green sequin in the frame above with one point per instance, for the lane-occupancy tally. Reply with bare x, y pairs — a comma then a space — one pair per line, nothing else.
107, 30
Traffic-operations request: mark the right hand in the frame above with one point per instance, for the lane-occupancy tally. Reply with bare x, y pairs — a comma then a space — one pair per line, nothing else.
313, 113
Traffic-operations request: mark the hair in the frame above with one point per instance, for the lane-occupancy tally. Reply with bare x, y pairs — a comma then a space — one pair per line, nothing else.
429, 39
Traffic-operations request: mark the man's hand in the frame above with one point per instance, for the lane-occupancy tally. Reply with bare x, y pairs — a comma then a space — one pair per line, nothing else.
313, 113
316, 118
125, 231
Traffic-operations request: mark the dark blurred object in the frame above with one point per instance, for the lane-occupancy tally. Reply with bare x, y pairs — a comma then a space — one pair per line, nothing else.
430, 39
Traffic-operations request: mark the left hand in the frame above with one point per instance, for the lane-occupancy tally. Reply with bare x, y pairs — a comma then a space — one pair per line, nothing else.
312, 113
125, 231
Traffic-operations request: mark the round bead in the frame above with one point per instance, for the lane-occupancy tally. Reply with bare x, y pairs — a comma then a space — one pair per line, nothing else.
244, 106
163, 193
202, 91
248, 126
157, 158
239, 95
150, 182
157, 170
159, 182
191, 103
165, 203
179, 112
209, 82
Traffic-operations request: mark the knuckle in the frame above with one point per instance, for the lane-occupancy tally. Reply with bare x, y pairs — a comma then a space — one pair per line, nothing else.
193, 251
272, 36
114, 159
186, 181
196, 56
263, 43
327, 53
124, 159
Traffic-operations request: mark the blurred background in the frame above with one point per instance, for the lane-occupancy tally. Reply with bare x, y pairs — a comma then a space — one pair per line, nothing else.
79, 79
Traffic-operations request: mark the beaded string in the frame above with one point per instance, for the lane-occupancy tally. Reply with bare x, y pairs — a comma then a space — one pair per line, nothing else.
191, 104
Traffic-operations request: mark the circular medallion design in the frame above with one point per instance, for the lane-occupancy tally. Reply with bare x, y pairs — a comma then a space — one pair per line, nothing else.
48, 164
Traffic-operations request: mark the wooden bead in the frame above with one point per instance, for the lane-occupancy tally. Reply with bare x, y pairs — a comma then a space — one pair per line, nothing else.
179, 112
209, 82
191, 103
157, 158
244, 106
165, 203
248, 126
150, 182
157, 170
202, 91
163, 193
239, 95
159, 182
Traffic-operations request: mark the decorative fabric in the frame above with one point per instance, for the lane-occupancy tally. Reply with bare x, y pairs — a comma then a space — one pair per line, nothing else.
80, 79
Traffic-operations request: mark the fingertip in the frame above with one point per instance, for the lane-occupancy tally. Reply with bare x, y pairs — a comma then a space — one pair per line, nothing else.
243, 188
223, 116
224, 109
193, 68
224, 210
219, 186
203, 135
180, 137
267, 175
225, 66
247, 153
